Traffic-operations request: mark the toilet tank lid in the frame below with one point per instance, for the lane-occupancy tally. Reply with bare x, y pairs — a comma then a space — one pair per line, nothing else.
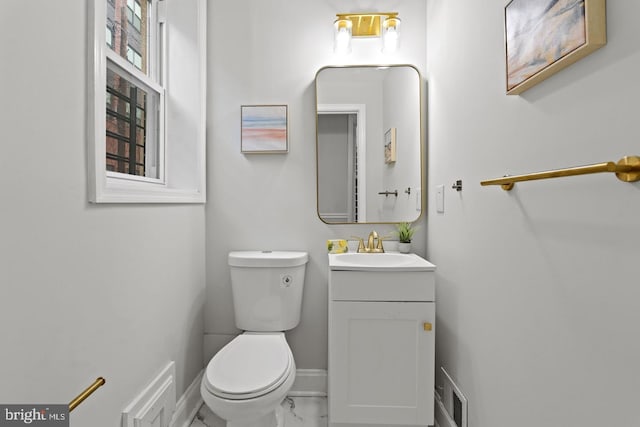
267, 258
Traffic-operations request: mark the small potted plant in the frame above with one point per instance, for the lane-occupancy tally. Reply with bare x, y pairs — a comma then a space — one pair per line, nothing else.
405, 233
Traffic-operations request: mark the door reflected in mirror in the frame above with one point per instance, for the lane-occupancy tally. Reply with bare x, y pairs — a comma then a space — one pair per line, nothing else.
369, 144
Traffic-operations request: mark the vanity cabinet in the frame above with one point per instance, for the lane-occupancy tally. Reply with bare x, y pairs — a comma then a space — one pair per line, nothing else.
381, 348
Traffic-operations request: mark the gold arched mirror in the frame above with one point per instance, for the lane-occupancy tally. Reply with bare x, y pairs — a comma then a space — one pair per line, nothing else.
369, 144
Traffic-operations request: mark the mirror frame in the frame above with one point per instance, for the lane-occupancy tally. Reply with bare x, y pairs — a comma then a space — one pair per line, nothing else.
422, 143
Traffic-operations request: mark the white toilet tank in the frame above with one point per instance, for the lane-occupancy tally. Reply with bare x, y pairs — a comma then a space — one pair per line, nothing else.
267, 289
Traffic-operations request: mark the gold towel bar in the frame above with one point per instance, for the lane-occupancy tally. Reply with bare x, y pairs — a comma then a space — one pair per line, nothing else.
627, 169
82, 396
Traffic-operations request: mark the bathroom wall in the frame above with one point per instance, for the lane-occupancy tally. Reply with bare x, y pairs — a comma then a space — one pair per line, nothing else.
268, 52
400, 104
86, 290
537, 288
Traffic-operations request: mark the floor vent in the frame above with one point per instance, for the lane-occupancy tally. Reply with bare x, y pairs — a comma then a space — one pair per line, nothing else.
451, 405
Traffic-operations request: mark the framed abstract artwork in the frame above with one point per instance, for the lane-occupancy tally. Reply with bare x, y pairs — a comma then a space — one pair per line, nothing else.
390, 145
264, 129
544, 36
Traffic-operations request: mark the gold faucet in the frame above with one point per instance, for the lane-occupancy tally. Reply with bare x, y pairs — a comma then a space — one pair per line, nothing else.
372, 247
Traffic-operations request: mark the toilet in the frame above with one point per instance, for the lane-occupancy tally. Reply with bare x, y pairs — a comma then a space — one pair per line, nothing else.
246, 381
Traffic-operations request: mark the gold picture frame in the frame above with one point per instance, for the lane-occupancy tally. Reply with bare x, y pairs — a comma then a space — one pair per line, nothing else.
542, 38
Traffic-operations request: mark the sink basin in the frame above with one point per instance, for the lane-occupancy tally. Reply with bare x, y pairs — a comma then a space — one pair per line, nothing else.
388, 261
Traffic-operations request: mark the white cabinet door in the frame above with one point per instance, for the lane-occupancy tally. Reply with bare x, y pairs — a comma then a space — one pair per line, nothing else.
381, 362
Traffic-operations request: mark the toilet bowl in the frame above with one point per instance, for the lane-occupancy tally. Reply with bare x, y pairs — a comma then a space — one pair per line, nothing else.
247, 380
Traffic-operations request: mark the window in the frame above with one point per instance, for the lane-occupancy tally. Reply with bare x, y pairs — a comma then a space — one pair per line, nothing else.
135, 95
134, 57
128, 149
134, 14
132, 36
109, 36
126, 128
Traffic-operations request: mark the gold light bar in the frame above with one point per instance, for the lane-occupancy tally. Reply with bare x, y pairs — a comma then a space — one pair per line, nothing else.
88, 391
627, 169
366, 24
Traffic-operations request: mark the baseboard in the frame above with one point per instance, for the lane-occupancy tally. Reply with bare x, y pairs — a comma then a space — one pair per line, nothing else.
309, 382
188, 404
442, 416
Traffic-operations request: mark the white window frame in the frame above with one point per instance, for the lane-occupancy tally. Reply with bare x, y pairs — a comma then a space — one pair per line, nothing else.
113, 187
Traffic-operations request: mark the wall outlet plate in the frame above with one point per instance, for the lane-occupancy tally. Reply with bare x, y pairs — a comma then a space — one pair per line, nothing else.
440, 198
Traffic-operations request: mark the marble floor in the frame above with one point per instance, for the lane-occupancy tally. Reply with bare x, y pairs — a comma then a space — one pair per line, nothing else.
298, 412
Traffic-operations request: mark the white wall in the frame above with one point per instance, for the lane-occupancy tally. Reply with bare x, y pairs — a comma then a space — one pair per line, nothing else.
537, 288
402, 111
268, 52
86, 290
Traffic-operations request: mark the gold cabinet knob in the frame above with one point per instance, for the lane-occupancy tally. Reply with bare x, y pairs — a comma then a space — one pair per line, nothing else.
427, 326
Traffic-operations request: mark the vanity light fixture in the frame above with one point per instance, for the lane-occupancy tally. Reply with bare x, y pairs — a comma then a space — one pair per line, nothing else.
342, 36
375, 24
390, 34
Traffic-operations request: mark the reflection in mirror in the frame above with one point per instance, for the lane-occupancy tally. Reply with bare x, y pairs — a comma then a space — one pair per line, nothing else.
369, 144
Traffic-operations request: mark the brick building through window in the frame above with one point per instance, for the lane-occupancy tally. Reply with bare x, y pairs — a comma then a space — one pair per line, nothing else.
126, 103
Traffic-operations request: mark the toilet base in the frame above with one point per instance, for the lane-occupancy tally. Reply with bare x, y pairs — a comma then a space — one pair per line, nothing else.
260, 411
272, 419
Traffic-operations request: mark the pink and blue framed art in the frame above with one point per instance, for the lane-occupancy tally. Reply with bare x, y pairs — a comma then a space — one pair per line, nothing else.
264, 129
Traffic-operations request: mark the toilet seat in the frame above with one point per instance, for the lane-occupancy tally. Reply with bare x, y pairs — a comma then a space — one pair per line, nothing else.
251, 365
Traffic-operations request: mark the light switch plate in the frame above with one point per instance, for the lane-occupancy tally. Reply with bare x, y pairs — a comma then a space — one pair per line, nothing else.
440, 198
